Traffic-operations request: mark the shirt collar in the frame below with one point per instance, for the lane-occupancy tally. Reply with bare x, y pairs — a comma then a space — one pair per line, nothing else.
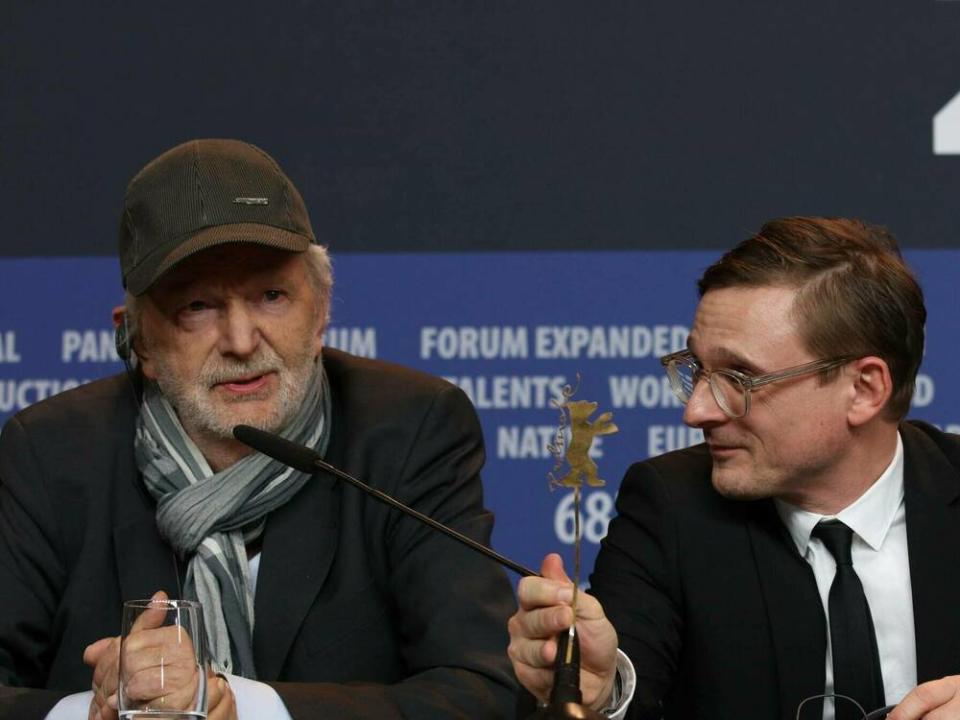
869, 516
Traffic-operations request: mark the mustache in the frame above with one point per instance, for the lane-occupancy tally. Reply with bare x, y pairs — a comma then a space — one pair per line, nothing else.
220, 370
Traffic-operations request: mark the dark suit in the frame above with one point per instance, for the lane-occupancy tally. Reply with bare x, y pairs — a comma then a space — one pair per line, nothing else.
349, 591
719, 612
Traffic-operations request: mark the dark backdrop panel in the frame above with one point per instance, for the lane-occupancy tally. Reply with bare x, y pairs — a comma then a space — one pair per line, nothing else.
492, 125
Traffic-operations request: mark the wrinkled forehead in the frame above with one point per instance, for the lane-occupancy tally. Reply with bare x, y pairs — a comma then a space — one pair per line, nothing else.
751, 326
231, 264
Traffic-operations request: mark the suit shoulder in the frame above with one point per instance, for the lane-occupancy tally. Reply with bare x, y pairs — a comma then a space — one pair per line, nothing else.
353, 373
679, 475
919, 434
90, 405
382, 400
689, 465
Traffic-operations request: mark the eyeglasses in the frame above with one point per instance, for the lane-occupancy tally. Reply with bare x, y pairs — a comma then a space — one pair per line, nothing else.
731, 388
878, 714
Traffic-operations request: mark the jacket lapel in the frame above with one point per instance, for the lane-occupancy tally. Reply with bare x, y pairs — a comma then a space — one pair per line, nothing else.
145, 563
931, 490
798, 628
299, 543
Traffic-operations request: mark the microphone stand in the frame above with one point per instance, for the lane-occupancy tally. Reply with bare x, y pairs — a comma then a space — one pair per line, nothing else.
565, 698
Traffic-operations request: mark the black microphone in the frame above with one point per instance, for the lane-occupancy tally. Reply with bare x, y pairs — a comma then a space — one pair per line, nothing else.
566, 699
309, 461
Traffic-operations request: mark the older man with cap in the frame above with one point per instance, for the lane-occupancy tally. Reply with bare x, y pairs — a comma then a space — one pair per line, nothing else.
118, 490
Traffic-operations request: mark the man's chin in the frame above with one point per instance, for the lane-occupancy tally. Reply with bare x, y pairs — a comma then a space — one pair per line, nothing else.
736, 484
269, 419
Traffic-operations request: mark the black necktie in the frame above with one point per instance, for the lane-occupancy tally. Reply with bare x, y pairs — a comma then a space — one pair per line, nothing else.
856, 662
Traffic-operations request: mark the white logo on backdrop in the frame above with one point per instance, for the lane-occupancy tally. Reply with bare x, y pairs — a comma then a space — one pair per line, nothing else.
946, 128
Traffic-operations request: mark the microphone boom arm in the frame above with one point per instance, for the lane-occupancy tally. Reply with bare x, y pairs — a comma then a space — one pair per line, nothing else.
307, 460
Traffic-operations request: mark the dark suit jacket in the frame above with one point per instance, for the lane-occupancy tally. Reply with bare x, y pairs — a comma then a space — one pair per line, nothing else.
719, 612
360, 611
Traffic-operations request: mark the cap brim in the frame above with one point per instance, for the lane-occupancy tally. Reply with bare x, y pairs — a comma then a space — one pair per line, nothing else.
153, 267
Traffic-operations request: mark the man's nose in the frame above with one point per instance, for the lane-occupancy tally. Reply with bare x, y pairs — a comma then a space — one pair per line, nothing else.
239, 332
702, 409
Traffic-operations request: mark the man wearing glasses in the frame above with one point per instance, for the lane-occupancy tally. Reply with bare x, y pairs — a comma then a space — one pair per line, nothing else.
809, 546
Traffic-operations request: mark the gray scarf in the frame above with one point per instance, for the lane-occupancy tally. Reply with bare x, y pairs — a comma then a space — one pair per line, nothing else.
210, 517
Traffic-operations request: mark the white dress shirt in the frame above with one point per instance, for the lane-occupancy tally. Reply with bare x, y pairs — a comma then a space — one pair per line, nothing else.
880, 559
879, 553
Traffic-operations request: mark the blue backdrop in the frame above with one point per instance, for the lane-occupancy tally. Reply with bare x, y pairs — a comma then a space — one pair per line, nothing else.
509, 328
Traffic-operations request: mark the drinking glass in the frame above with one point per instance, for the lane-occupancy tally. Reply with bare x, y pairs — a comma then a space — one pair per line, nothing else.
163, 661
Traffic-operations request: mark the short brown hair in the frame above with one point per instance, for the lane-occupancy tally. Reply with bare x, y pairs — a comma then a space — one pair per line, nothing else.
856, 295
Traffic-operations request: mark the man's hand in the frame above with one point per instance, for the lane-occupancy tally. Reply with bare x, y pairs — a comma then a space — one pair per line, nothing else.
104, 657
148, 645
938, 699
545, 611
222, 705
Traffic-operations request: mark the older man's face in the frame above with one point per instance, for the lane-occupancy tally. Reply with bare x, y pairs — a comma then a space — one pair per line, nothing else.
231, 336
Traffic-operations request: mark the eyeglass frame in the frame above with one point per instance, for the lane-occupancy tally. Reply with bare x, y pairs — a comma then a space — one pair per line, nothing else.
878, 714
748, 383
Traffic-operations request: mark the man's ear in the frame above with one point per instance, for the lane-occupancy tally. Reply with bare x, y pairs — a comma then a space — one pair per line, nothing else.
137, 354
118, 314
318, 340
872, 388
321, 329
121, 338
